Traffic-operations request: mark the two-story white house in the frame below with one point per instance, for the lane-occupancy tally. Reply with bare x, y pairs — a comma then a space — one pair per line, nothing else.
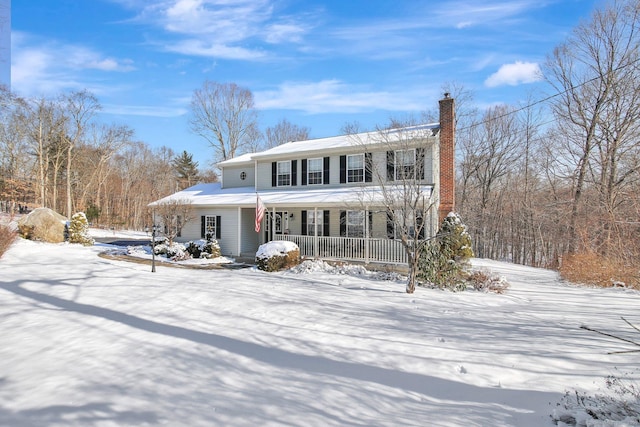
334, 197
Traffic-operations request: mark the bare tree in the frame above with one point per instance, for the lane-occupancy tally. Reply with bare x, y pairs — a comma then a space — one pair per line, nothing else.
173, 214
224, 115
80, 108
487, 158
404, 195
592, 71
94, 163
42, 122
285, 131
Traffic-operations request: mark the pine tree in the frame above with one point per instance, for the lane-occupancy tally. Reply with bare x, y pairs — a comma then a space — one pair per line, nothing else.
186, 170
79, 230
445, 260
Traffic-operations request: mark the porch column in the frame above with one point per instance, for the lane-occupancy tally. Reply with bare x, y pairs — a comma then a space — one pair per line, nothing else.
273, 223
316, 249
239, 231
366, 236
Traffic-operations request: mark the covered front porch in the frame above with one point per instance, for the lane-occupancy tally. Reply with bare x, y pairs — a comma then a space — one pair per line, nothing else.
339, 234
365, 250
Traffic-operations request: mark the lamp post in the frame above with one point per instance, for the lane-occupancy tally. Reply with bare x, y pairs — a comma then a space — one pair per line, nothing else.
153, 248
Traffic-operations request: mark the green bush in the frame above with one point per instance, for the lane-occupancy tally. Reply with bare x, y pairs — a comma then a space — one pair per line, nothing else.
204, 249
444, 262
79, 230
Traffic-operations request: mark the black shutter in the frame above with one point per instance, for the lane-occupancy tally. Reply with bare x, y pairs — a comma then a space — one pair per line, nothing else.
218, 228
343, 223
343, 169
294, 172
203, 221
304, 171
390, 226
325, 176
420, 163
304, 223
370, 223
325, 222
390, 166
274, 174
368, 167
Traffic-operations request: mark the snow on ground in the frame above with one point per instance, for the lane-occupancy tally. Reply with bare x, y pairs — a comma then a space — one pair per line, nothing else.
88, 341
121, 234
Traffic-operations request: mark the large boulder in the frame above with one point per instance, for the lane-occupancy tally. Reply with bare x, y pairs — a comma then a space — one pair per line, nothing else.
43, 224
277, 255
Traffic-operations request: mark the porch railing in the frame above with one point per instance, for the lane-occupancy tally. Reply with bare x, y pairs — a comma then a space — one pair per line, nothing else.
349, 248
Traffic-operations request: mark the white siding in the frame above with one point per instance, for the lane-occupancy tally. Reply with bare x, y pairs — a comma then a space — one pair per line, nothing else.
232, 176
228, 228
264, 176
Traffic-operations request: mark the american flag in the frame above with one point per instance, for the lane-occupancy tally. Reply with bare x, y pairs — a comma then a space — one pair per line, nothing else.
259, 212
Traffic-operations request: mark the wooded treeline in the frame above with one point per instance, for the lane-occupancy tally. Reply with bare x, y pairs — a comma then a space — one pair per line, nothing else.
55, 153
561, 176
557, 175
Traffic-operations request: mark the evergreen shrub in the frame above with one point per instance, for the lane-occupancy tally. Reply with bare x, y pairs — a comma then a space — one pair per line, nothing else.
79, 230
444, 262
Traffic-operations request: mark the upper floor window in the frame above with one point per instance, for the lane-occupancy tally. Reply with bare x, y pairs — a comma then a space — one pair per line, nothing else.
314, 171
405, 167
406, 164
284, 173
355, 168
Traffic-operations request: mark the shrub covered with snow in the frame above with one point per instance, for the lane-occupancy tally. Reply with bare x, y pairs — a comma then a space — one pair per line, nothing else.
616, 406
175, 251
79, 230
315, 266
486, 281
204, 248
277, 255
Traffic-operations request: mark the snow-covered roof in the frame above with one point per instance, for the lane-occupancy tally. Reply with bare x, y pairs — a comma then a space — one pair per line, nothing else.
339, 143
213, 195
244, 158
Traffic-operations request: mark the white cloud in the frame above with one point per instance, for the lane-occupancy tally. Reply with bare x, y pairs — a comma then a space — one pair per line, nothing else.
216, 50
515, 74
466, 13
144, 110
334, 96
47, 67
221, 28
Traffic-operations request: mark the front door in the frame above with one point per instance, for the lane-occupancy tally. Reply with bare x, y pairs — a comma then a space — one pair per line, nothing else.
281, 225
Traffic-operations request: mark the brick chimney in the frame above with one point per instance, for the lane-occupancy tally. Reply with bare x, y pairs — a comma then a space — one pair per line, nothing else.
447, 157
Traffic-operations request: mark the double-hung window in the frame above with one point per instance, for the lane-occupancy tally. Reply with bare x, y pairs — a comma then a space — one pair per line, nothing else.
355, 168
314, 218
405, 164
314, 171
210, 227
355, 223
284, 173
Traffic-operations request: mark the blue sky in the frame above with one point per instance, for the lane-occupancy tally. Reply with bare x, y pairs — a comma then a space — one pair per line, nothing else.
318, 64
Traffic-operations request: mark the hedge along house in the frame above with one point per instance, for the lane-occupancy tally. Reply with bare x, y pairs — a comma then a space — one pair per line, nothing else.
350, 197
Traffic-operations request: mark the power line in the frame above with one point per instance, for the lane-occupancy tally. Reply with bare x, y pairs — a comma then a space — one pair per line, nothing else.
548, 98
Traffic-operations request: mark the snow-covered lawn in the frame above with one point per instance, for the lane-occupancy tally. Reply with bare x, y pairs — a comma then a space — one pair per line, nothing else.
88, 341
